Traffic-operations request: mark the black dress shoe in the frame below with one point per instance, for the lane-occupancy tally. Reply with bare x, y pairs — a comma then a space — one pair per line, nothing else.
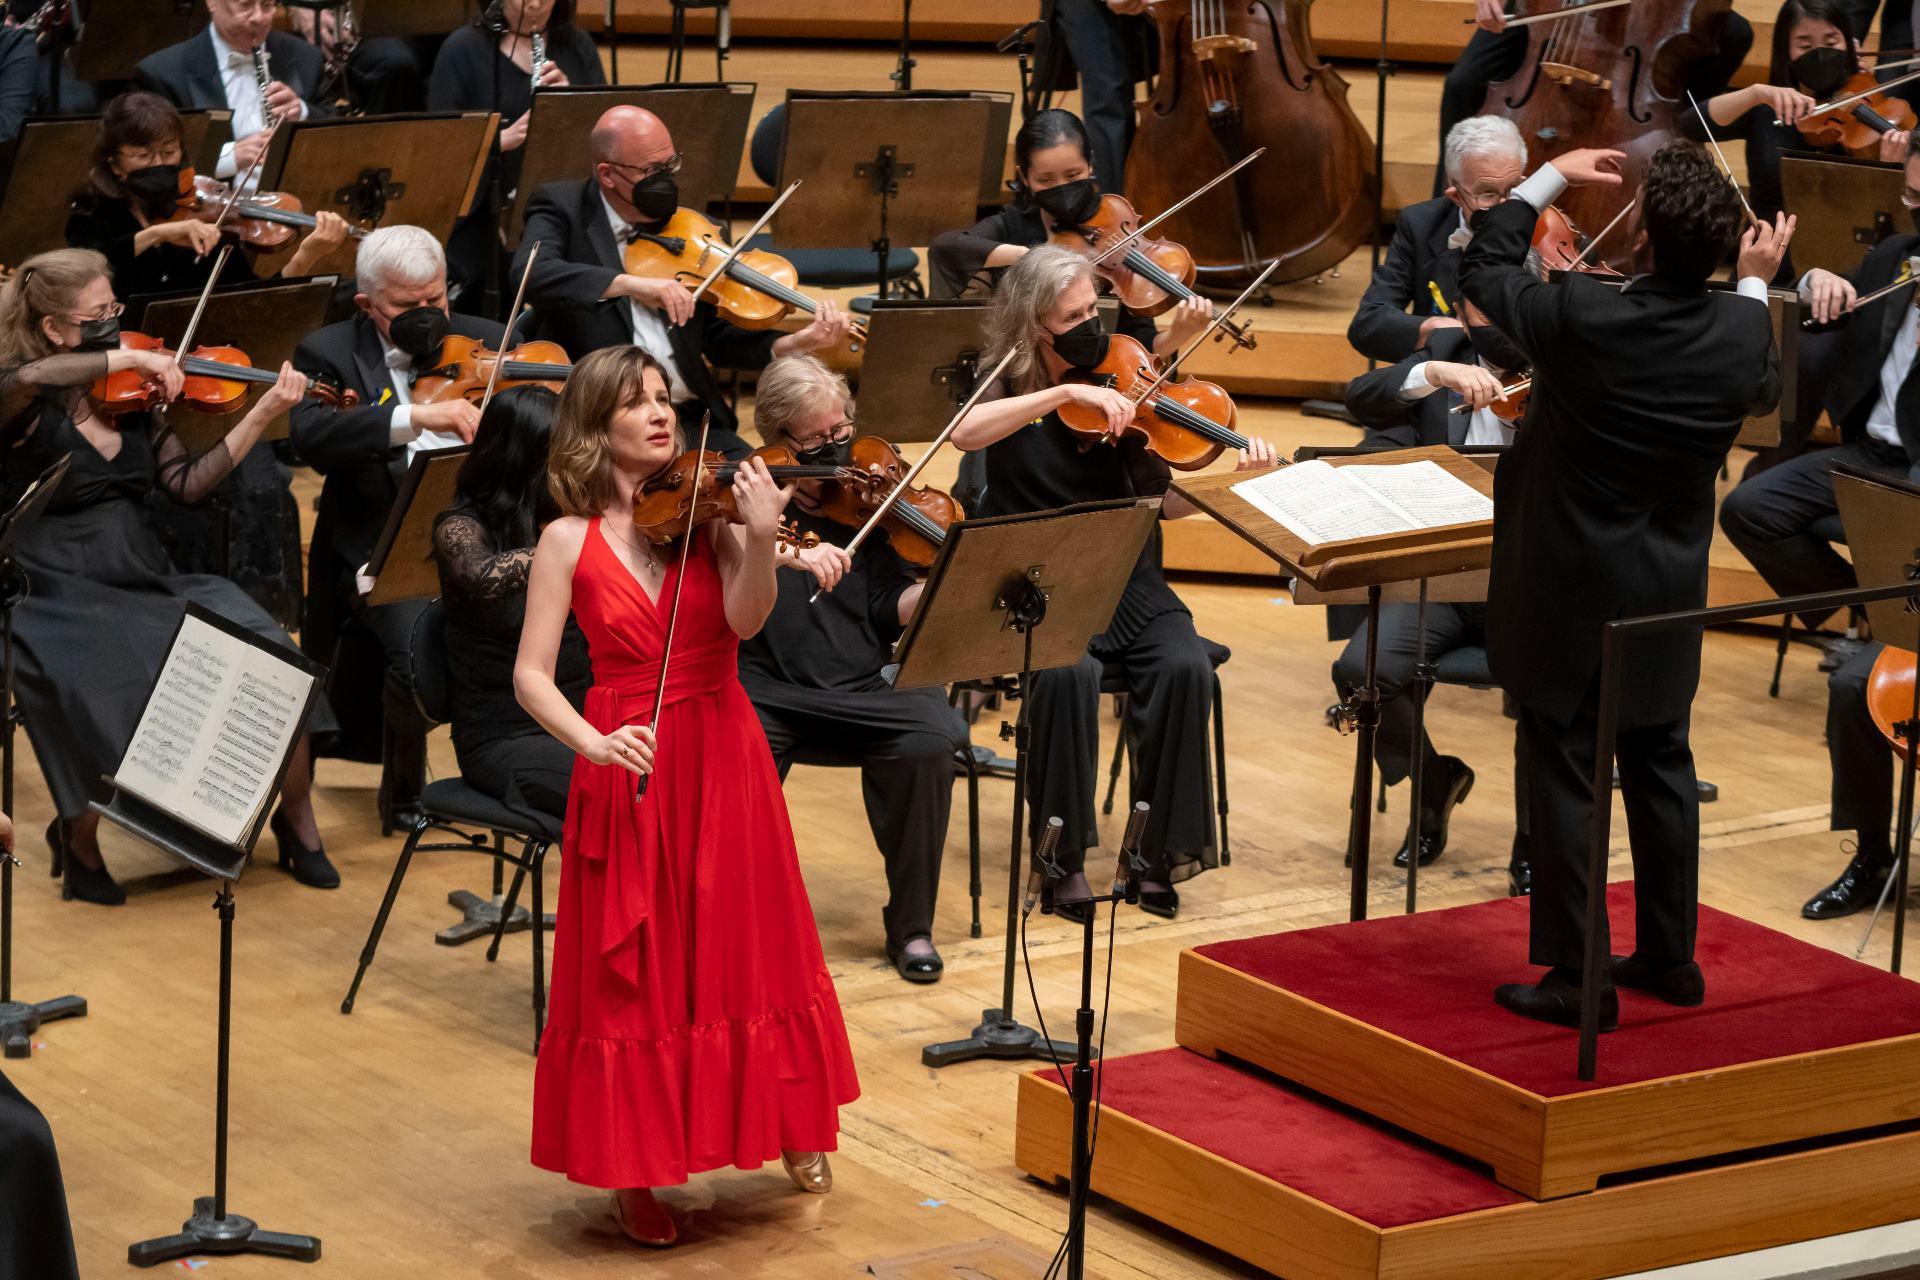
403, 772
922, 968
1164, 903
309, 866
1856, 889
1556, 999
1519, 878
57, 842
1434, 819
80, 881
1076, 910
1681, 984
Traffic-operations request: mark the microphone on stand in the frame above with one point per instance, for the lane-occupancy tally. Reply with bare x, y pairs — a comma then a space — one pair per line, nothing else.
1045, 869
1126, 871
723, 30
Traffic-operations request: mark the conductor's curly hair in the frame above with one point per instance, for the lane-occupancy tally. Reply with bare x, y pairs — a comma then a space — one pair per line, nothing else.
1691, 211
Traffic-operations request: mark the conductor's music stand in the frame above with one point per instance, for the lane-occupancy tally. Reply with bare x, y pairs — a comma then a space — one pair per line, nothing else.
887, 167
19, 1019
117, 34
41, 174
922, 358
376, 171
708, 123
1845, 207
1019, 593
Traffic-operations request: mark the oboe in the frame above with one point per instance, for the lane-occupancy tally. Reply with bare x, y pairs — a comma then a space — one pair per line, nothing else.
539, 59
263, 78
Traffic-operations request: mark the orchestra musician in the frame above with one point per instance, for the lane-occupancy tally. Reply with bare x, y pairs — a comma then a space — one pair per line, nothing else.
814, 671
105, 599
583, 298
1111, 46
693, 1024
19, 77
217, 69
1603, 509
1045, 307
1862, 790
402, 319
384, 75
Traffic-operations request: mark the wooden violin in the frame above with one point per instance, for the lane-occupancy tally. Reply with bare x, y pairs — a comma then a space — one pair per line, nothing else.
265, 220
1150, 275
757, 289
916, 522
667, 504
218, 379
1559, 245
461, 370
1187, 423
1890, 694
1857, 128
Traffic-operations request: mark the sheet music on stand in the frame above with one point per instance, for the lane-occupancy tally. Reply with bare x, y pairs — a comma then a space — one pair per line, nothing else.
402, 566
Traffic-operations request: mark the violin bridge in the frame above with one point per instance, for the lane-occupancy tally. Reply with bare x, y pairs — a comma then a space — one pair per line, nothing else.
1207, 46
1562, 74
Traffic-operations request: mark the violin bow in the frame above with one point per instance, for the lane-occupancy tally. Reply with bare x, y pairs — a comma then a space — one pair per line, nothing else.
1511, 389
1706, 127
673, 614
1178, 205
1222, 318
1595, 240
1850, 99
886, 503
1865, 298
1571, 11
729, 251
200, 307
513, 318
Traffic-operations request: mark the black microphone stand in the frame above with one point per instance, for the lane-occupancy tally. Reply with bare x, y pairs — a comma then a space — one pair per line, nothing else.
495, 22
613, 43
902, 76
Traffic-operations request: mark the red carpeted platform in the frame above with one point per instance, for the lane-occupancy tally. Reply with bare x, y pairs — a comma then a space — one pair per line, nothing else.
1396, 1016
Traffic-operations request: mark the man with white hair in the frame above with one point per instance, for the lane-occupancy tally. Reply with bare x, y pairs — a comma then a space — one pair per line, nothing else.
1414, 293
401, 274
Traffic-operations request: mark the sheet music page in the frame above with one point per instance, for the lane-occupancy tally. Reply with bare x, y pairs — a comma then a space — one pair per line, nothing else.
1425, 492
1318, 503
209, 744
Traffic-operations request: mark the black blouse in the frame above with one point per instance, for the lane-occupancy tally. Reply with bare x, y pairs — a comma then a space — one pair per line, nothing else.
841, 641
108, 226
958, 260
463, 79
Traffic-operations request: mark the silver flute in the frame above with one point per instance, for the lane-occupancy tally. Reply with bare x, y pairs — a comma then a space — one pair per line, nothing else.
263, 78
539, 58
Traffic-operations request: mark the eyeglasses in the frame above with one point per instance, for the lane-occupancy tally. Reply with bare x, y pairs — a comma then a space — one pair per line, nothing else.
670, 165
112, 311
842, 430
1909, 198
146, 157
249, 8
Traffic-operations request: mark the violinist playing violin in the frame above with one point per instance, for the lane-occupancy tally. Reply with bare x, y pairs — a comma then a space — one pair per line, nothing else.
1045, 307
1603, 509
582, 296
814, 671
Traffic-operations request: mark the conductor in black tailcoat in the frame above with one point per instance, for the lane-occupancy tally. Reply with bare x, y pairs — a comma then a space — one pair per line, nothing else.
1603, 509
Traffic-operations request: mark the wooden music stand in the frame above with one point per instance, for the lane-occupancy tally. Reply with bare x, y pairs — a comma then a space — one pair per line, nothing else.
117, 34
708, 123
376, 171
402, 566
1371, 563
42, 174
1845, 207
902, 399
410, 17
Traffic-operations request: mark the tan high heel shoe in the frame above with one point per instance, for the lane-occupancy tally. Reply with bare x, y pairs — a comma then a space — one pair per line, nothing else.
809, 1170
642, 1219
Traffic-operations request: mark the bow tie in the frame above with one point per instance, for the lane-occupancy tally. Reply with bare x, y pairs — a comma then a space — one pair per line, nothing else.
1460, 239
237, 59
398, 359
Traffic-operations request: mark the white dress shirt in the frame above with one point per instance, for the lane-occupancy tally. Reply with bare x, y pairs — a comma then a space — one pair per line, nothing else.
243, 96
1483, 426
1881, 423
649, 326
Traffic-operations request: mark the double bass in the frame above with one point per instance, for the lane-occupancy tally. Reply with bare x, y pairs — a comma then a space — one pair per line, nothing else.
1235, 76
1613, 77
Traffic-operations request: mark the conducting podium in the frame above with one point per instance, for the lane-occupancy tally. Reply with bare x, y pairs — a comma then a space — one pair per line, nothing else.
1362, 521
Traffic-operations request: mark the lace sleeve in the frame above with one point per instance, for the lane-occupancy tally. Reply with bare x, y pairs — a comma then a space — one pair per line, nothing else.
471, 567
186, 480
20, 386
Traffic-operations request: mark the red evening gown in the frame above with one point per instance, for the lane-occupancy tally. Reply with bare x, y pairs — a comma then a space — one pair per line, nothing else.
693, 1025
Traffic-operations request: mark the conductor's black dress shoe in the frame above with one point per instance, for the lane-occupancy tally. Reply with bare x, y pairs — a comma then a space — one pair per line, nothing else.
1556, 999
1681, 984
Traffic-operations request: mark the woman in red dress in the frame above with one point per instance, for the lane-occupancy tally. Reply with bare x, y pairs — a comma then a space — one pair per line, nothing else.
693, 1025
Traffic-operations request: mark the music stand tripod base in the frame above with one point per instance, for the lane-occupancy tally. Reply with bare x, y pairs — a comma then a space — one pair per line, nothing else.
999, 1035
203, 1233
482, 918
18, 1021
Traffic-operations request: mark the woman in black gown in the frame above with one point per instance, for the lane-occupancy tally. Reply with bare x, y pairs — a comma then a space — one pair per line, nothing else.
483, 544
104, 599
483, 68
1046, 305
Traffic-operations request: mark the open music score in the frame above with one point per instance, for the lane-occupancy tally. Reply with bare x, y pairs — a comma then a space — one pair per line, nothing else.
1319, 503
222, 716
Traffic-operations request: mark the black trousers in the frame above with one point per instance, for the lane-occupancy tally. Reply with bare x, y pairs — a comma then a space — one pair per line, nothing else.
1785, 520
1663, 824
1096, 38
906, 778
1861, 759
531, 772
1449, 626
36, 1239
1170, 684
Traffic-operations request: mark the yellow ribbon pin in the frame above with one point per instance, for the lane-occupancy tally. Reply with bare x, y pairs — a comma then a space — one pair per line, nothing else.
1439, 299
386, 394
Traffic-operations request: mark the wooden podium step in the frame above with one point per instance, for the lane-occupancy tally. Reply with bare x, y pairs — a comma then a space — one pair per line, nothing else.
1307, 1189
1396, 1015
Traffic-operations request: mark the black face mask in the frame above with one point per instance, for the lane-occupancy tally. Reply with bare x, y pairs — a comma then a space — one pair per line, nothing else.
1071, 203
1082, 346
100, 335
155, 187
1495, 348
420, 332
1821, 71
657, 198
828, 453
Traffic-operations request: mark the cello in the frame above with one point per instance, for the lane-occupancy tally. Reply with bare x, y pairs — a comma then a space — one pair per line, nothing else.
1614, 77
1234, 77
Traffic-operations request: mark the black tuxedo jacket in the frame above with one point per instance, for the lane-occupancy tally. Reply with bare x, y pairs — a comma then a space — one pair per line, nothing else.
1603, 507
353, 449
1383, 328
186, 74
1392, 422
578, 260
1870, 334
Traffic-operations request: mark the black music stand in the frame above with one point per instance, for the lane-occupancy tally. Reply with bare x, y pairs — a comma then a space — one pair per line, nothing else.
888, 168
41, 173
410, 17
987, 597
1845, 207
117, 34
19, 1019
375, 171
922, 357
211, 1229
708, 123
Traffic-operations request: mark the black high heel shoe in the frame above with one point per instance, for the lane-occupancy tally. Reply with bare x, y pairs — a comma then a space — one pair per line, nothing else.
1164, 903
78, 880
57, 842
309, 866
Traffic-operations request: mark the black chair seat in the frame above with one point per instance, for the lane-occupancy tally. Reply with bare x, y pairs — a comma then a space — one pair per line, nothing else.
1466, 665
839, 268
455, 799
